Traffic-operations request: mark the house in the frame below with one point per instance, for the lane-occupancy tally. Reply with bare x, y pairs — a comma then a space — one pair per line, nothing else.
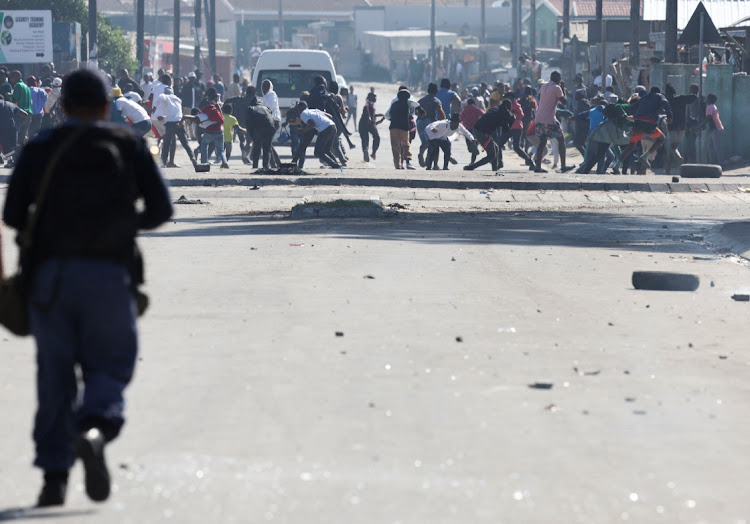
547, 16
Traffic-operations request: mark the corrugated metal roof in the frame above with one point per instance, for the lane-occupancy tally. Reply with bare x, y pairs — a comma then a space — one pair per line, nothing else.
723, 12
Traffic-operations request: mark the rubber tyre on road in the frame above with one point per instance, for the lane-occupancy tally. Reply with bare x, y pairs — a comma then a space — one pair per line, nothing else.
663, 281
700, 171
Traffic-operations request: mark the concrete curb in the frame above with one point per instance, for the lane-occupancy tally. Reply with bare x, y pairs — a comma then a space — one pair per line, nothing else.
454, 184
733, 237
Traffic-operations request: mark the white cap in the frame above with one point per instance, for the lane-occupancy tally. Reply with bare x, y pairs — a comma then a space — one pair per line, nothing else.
57, 82
191, 75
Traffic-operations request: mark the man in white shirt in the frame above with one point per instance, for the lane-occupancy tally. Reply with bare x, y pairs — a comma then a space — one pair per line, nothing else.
157, 88
598, 79
314, 120
168, 109
440, 133
140, 123
270, 100
147, 85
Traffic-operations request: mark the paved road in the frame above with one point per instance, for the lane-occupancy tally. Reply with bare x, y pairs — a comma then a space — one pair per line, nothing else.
248, 408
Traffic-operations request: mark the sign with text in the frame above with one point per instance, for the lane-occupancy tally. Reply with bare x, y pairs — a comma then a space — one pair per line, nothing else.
25, 37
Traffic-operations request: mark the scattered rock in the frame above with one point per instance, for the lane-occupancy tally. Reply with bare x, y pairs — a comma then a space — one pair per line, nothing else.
541, 385
396, 205
254, 188
369, 277
183, 200
629, 399
675, 179
339, 333
459, 339
453, 259
551, 407
722, 357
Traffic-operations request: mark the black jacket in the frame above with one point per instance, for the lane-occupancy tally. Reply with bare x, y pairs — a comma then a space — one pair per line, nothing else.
259, 119
496, 117
90, 208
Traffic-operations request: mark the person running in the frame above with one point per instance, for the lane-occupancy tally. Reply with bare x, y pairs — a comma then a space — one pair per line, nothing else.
449, 99
368, 126
399, 114
440, 134
646, 113
715, 130
547, 126
212, 122
317, 121
261, 126
469, 116
432, 110
679, 105
82, 278
516, 129
230, 125
168, 109
139, 120
496, 118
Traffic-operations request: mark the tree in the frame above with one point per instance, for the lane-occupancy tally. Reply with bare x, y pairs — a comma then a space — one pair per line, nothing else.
114, 49
62, 10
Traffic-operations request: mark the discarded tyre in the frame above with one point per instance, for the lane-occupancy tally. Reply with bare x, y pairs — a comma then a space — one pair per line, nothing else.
700, 171
663, 281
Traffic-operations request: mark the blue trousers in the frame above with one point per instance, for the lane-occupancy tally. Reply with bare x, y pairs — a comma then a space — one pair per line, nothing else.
217, 139
83, 317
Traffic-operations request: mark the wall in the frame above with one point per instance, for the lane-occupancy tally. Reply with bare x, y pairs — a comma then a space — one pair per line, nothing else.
719, 81
740, 114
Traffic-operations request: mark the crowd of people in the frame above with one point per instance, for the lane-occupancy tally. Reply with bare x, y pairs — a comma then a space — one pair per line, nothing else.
534, 120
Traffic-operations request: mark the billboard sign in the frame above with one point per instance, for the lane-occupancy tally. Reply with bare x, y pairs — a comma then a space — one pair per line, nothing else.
25, 37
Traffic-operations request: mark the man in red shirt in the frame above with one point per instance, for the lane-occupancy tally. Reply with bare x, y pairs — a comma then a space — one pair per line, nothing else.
469, 116
212, 121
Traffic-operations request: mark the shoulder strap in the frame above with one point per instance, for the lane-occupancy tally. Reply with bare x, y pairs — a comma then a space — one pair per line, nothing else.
28, 232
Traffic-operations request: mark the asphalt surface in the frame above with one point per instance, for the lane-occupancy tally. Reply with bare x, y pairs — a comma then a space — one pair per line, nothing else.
478, 356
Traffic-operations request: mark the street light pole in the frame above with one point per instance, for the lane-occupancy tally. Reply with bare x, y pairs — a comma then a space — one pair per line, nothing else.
432, 40
93, 50
176, 40
140, 15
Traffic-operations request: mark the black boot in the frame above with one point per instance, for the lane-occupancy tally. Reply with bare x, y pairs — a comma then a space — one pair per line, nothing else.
53, 491
90, 449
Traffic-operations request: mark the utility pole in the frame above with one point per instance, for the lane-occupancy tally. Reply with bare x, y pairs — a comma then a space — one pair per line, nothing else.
670, 41
566, 20
212, 35
93, 49
176, 40
635, 38
433, 61
197, 49
140, 15
483, 28
281, 22
532, 27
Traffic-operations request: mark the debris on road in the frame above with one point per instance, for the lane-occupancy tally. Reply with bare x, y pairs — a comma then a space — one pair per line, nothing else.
183, 200
551, 407
675, 179
506, 330
339, 333
741, 298
723, 357
664, 281
369, 277
459, 339
586, 373
541, 385
396, 205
